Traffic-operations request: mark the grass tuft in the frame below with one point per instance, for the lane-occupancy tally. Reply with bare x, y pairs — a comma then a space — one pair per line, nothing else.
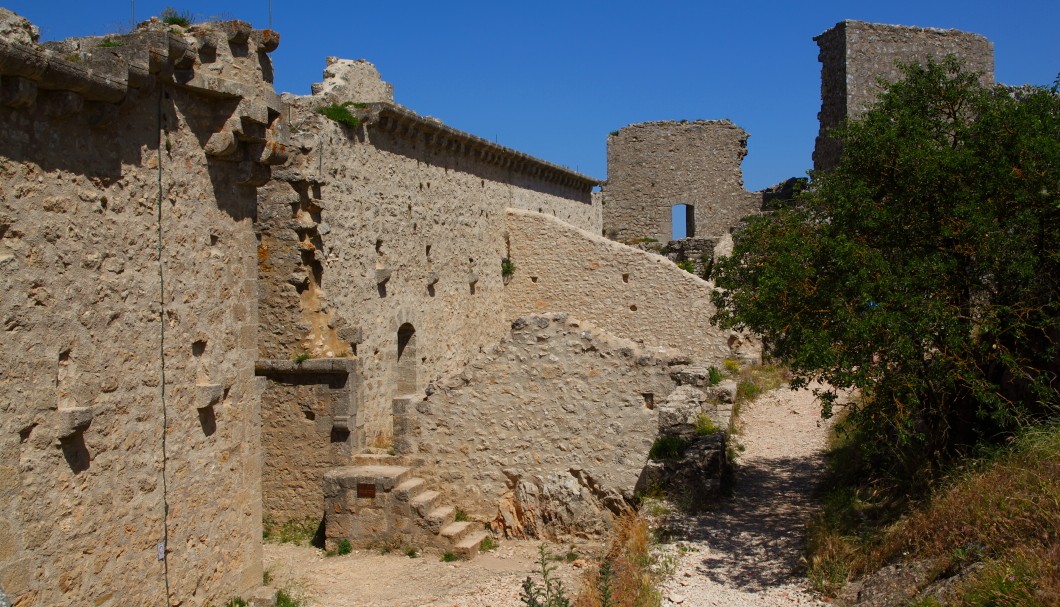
668, 447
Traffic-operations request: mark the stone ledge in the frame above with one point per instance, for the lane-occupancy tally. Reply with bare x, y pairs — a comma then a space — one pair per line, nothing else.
313, 366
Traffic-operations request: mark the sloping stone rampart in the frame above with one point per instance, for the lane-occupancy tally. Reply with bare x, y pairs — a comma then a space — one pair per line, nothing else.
625, 291
652, 166
856, 55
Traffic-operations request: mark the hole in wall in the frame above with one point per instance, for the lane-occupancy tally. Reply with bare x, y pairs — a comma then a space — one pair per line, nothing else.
533, 279
379, 246
214, 239
428, 250
309, 415
381, 289
472, 288
633, 308
25, 433
625, 278
649, 399
198, 347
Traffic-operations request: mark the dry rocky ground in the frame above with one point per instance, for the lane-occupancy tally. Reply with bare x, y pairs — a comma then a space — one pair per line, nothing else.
744, 554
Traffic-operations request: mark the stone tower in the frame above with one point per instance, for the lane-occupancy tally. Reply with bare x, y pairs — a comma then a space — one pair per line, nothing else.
855, 55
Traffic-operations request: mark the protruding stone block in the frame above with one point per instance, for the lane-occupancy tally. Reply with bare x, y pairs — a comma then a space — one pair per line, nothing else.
382, 275
74, 420
208, 395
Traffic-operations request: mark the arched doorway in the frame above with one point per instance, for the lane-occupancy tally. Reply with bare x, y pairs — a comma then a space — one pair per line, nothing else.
406, 360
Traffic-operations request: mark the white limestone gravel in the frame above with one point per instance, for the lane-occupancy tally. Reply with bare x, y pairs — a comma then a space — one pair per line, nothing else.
747, 552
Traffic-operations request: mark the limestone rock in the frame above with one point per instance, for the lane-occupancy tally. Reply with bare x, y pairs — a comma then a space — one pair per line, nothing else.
16, 28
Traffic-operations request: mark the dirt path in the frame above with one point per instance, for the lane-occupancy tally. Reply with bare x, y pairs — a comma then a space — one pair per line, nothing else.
370, 579
746, 553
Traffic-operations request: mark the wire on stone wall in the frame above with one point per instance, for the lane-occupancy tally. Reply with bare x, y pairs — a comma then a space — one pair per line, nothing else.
164, 546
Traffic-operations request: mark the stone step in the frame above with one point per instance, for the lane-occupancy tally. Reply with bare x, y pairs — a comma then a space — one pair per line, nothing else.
384, 478
424, 502
468, 547
409, 489
439, 517
457, 531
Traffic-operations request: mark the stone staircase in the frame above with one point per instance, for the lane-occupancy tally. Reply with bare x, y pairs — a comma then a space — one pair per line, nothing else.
378, 501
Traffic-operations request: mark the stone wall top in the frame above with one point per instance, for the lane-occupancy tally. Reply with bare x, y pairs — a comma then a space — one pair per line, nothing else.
403, 122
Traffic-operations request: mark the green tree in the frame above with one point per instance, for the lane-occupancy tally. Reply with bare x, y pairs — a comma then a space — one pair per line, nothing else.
922, 270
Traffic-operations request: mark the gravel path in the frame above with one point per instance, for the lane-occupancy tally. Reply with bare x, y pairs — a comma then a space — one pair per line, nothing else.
747, 552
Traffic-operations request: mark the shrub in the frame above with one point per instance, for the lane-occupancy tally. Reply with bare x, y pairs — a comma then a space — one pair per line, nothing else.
449, 557
668, 447
687, 265
705, 426
507, 267
714, 376
922, 270
340, 112
488, 543
172, 16
302, 357
551, 592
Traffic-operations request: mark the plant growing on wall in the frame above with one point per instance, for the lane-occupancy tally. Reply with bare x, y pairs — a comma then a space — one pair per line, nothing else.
507, 267
172, 16
340, 112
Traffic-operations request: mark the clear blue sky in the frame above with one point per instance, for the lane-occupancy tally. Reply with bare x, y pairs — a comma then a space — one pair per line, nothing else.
554, 78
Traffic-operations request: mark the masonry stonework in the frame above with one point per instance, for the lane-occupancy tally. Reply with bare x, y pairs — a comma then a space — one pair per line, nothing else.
623, 290
220, 306
856, 55
129, 322
653, 166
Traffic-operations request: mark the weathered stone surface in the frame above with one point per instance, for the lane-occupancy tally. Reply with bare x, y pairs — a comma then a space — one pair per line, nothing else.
16, 28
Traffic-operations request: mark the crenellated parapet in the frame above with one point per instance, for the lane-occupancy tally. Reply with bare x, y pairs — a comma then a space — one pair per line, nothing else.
94, 75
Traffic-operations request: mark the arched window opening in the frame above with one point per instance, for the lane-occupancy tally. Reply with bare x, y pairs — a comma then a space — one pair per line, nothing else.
406, 360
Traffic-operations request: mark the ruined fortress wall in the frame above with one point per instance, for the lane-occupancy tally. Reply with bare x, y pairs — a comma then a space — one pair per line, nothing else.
548, 430
130, 332
399, 221
855, 55
625, 291
652, 166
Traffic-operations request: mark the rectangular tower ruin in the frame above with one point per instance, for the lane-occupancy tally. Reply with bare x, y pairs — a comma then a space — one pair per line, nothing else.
855, 55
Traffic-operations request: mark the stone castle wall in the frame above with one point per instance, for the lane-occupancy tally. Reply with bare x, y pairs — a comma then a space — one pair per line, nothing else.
855, 55
398, 222
653, 166
129, 323
628, 292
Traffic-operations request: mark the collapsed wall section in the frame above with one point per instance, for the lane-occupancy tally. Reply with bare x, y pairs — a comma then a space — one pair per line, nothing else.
625, 291
129, 459
653, 166
548, 431
856, 55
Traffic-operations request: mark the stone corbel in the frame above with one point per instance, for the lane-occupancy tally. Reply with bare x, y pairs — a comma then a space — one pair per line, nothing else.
208, 395
74, 420
382, 275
